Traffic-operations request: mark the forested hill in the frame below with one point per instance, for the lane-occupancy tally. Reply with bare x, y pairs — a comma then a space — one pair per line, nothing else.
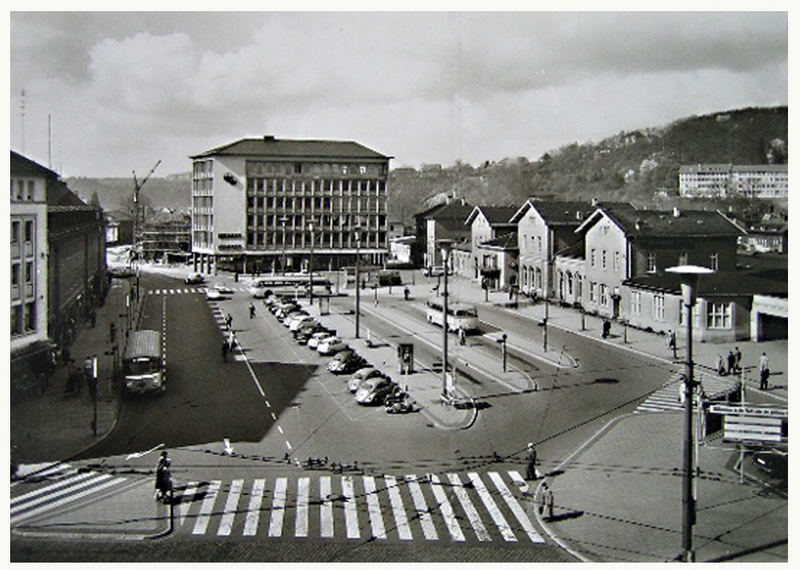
639, 166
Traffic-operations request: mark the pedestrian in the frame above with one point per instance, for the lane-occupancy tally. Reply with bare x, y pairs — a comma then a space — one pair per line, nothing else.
548, 499
530, 474
405, 293
606, 328
672, 343
88, 368
720, 365
462, 337
231, 340
229, 321
731, 362
763, 367
163, 479
224, 351
252, 310
738, 360
112, 332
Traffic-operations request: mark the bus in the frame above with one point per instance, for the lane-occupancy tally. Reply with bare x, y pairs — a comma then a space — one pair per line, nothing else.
460, 316
143, 363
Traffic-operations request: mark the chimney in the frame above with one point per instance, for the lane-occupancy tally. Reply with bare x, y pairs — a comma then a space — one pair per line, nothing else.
594, 202
269, 138
676, 213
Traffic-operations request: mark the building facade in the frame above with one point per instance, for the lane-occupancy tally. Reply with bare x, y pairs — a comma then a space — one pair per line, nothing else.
260, 203
770, 181
485, 224
167, 240
447, 222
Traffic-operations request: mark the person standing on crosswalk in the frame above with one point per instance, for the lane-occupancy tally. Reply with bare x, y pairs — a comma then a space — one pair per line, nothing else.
530, 474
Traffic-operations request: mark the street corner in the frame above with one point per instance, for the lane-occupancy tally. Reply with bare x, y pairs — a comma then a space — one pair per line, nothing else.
128, 511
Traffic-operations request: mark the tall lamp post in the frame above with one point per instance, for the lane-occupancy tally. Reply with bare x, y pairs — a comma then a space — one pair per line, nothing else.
283, 221
445, 245
689, 275
358, 276
311, 266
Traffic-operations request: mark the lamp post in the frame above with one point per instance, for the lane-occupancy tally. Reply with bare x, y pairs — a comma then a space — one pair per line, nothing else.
358, 277
283, 221
689, 275
311, 266
445, 245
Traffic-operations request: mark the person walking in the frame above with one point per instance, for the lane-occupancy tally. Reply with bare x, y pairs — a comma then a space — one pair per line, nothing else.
731, 362
252, 310
406, 293
763, 367
737, 363
231, 340
229, 321
163, 479
530, 473
606, 328
720, 365
672, 343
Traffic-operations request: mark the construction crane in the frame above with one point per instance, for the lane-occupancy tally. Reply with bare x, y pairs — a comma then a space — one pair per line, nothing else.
137, 186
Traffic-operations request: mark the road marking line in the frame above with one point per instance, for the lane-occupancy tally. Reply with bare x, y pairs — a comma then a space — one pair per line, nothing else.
288, 445
278, 508
350, 514
403, 529
274, 417
422, 508
493, 509
301, 509
204, 517
254, 508
374, 508
229, 511
65, 500
280, 429
472, 514
515, 507
48, 488
447, 510
186, 500
326, 508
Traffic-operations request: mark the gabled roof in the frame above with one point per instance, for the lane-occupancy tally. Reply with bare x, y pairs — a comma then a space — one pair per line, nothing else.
23, 166
556, 213
431, 210
270, 147
505, 242
57, 193
495, 215
656, 223
721, 283
458, 210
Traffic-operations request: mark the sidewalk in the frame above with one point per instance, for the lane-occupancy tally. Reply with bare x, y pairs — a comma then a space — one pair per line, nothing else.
56, 425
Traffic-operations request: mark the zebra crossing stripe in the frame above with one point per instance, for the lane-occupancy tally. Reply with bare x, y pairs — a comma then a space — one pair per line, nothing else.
204, 517
301, 509
403, 530
44, 490
326, 509
186, 501
422, 508
515, 507
446, 509
226, 524
254, 508
374, 508
466, 504
350, 513
69, 498
278, 507
491, 506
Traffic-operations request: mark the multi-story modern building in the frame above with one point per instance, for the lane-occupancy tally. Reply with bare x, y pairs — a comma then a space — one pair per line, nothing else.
261, 204
167, 240
730, 180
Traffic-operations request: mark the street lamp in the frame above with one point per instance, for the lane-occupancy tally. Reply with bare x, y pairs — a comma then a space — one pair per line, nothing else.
283, 220
358, 276
689, 276
311, 266
445, 245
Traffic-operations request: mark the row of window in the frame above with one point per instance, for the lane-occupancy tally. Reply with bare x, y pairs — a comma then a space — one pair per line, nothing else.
22, 229
277, 240
718, 315
262, 186
260, 168
23, 190
270, 204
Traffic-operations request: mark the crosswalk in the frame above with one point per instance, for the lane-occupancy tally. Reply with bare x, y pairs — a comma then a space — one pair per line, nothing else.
668, 397
188, 290
57, 486
455, 507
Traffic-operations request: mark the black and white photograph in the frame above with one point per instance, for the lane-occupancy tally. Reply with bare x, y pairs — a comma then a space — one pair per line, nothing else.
421, 284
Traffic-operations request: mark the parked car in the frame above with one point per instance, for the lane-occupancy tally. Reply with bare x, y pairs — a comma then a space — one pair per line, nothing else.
295, 323
305, 330
373, 391
316, 338
287, 319
345, 361
195, 279
772, 463
363, 374
331, 345
286, 308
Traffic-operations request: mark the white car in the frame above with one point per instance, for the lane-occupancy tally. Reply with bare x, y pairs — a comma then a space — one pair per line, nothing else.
224, 289
194, 279
317, 338
212, 293
331, 345
295, 323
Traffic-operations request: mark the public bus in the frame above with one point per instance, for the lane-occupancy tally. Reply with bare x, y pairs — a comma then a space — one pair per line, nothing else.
143, 364
460, 316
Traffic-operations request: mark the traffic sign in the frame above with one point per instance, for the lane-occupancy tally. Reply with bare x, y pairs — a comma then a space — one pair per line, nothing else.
752, 423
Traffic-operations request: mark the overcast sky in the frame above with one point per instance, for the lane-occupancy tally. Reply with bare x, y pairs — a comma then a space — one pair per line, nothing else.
125, 90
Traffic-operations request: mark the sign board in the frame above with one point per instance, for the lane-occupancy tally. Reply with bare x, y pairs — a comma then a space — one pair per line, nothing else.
752, 423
